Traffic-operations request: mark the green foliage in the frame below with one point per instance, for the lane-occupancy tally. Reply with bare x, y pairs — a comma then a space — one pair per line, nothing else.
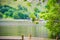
25, 0
20, 15
36, 10
32, 16
53, 17
15, 0
1, 15
10, 12
22, 8
28, 3
43, 0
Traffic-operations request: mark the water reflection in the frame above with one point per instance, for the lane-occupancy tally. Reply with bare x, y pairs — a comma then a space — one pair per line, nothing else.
18, 28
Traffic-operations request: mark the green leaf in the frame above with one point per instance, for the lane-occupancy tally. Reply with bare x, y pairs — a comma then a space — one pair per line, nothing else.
15, 0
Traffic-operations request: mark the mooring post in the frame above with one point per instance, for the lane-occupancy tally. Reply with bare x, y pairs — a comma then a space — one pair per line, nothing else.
57, 38
30, 37
22, 37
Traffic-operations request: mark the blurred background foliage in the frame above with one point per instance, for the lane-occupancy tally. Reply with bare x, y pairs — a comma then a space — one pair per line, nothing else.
17, 9
23, 9
52, 15
10, 12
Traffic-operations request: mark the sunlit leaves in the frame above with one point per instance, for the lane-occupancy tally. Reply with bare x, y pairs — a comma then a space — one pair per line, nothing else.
53, 17
32, 16
28, 4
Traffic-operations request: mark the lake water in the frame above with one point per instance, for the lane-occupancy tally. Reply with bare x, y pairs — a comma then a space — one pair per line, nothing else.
23, 27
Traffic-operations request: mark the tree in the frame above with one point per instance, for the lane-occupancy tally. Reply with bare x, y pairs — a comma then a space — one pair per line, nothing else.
52, 15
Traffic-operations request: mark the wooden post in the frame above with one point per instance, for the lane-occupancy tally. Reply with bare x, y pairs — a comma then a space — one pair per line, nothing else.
30, 37
57, 38
22, 37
